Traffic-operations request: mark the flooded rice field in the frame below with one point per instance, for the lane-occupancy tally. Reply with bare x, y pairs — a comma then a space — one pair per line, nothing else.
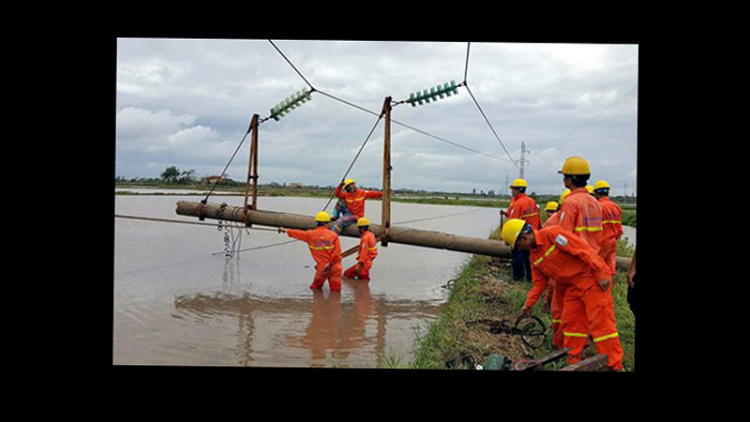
178, 300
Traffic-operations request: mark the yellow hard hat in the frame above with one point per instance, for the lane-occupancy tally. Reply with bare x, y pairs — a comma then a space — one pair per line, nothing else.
348, 182
363, 222
590, 189
511, 230
602, 184
519, 183
575, 166
564, 195
322, 217
552, 206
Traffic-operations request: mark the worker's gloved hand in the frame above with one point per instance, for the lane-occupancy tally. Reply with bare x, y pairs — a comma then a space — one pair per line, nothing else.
327, 268
604, 284
526, 310
282, 230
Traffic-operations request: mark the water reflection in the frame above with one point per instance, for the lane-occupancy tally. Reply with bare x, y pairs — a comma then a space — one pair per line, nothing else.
337, 325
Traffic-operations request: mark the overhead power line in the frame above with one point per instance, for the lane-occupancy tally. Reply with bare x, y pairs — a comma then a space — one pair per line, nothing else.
577, 128
360, 108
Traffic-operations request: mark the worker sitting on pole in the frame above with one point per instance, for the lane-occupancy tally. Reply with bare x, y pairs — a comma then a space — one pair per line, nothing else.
611, 223
351, 205
525, 208
368, 251
325, 248
570, 261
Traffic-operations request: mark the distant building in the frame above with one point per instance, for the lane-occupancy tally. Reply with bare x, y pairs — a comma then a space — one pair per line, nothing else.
210, 180
295, 185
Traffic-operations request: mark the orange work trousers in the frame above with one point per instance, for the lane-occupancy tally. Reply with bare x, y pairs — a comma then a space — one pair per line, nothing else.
590, 311
362, 274
556, 311
333, 275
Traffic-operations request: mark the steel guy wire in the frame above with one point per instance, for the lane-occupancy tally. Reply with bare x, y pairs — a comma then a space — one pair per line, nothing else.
602, 112
490, 125
293, 67
355, 159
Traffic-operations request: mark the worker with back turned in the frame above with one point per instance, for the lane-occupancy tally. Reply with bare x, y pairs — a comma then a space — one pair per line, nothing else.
523, 207
612, 224
325, 248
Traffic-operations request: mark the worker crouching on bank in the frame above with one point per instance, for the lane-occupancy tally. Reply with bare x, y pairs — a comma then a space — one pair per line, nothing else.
325, 248
368, 251
588, 307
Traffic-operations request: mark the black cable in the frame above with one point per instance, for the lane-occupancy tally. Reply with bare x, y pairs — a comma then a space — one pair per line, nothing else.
410, 127
293, 67
490, 125
466, 72
355, 159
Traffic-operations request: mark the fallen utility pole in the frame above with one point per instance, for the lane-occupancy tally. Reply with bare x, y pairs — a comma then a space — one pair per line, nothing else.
402, 235
396, 234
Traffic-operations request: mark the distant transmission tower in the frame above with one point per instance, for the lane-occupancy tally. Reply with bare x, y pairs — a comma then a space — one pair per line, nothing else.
523, 161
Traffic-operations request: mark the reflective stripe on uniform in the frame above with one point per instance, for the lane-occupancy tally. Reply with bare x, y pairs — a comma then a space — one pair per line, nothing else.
575, 334
589, 229
373, 248
546, 254
317, 248
612, 222
557, 321
607, 337
529, 215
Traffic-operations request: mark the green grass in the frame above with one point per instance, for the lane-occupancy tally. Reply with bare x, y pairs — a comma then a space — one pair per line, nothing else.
471, 298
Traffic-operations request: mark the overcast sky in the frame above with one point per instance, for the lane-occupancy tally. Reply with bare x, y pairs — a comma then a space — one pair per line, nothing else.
188, 103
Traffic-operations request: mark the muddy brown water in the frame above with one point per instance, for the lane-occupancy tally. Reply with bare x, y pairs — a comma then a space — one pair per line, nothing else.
178, 303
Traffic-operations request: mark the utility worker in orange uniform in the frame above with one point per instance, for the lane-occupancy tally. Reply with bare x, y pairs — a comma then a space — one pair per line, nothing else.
612, 223
581, 213
325, 248
555, 294
368, 251
552, 214
351, 204
588, 307
525, 208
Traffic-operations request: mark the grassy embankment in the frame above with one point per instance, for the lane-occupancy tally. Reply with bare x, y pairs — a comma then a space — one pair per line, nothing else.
484, 290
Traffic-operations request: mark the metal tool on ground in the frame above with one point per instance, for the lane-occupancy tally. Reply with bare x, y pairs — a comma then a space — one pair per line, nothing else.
591, 364
530, 328
537, 364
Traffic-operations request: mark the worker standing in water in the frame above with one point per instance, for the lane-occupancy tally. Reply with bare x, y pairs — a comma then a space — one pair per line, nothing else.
368, 251
588, 307
612, 224
351, 204
523, 207
325, 248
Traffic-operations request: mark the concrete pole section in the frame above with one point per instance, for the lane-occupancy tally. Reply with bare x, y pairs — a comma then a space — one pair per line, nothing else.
396, 234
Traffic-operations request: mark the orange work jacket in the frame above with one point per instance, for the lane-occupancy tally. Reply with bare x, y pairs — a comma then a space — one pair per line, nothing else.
324, 244
611, 220
368, 248
355, 201
553, 220
566, 258
525, 208
581, 214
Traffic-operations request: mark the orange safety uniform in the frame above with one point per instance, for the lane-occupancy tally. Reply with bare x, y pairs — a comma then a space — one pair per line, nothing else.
567, 258
368, 251
524, 207
612, 224
555, 295
581, 214
325, 248
355, 201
